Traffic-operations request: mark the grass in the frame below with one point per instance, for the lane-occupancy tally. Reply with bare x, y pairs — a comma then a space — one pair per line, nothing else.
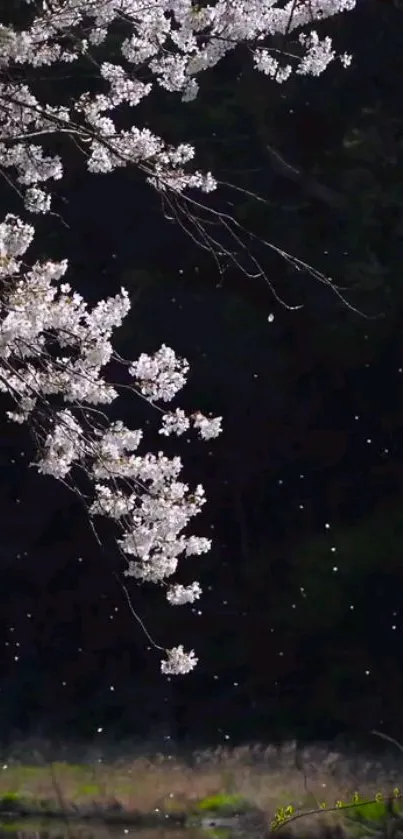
246, 779
223, 804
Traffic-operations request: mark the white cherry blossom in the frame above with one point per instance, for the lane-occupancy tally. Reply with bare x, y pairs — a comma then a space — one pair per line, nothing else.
177, 40
178, 661
54, 347
140, 491
178, 594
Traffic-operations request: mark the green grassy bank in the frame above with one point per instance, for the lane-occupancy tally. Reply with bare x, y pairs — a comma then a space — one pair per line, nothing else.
249, 784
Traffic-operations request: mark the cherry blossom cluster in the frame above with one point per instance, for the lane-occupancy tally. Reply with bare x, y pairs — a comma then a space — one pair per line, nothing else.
55, 350
171, 42
54, 392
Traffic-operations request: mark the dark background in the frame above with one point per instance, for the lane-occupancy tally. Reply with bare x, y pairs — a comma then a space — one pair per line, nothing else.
299, 632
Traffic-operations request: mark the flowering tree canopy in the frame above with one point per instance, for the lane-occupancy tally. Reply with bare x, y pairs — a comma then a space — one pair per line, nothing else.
54, 349
163, 42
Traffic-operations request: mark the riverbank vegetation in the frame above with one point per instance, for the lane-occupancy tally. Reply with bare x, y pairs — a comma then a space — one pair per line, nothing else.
252, 784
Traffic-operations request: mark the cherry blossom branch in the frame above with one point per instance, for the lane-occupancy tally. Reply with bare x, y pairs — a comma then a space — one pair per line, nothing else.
141, 494
54, 350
